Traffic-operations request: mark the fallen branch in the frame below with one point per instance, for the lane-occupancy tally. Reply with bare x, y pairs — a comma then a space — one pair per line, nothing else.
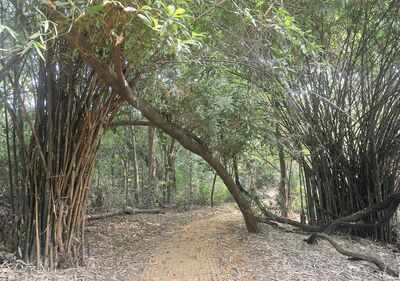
350, 221
270, 218
127, 211
354, 255
312, 239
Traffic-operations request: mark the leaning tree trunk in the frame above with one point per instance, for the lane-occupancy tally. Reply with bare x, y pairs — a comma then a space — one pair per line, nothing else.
71, 111
117, 82
123, 89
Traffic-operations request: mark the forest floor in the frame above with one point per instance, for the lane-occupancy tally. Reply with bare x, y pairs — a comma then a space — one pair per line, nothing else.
206, 245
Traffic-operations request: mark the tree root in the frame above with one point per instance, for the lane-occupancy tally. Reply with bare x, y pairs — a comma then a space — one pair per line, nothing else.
350, 221
354, 255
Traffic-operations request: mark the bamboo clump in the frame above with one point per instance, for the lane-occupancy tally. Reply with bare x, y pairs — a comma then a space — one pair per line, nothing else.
72, 109
342, 120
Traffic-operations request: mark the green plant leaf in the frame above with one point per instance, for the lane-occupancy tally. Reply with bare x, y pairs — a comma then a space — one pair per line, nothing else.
170, 10
38, 48
12, 33
35, 35
179, 12
95, 9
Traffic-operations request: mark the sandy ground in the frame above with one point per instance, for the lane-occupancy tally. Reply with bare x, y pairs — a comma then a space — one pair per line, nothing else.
203, 250
205, 245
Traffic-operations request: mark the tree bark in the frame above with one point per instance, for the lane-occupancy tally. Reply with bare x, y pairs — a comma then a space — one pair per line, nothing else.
151, 185
135, 169
171, 171
125, 165
283, 188
10, 169
212, 190
125, 123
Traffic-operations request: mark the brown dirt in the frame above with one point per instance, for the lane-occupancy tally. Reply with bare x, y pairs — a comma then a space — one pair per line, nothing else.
196, 252
191, 246
205, 245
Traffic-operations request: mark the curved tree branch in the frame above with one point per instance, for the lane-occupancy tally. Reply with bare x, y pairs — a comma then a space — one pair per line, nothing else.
126, 123
355, 255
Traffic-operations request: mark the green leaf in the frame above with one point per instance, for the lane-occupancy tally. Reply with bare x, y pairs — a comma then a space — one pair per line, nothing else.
170, 10
35, 35
12, 33
146, 8
155, 26
38, 48
196, 35
146, 19
179, 12
95, 9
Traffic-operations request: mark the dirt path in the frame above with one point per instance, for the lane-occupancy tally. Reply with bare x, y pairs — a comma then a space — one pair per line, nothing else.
206, 245
198, 253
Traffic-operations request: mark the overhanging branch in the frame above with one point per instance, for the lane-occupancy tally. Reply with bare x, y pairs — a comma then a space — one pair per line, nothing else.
126, 123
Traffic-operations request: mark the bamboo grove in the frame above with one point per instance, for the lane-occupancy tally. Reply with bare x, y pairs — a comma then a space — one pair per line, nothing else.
344, 114
72, 109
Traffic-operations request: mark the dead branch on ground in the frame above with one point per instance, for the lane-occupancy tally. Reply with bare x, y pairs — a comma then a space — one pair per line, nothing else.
127, 211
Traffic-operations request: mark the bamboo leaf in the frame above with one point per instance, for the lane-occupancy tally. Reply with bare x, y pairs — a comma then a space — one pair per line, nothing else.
170, 10
12, 33
179, 12
38, 48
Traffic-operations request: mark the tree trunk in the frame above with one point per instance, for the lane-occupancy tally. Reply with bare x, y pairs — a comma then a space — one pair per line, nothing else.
190, 190
112, 171
135, 169
283, 190
151, 185
212, 190
172, 173
143, 183
99, 201
170, 177
116, 80
126, 187
10, 170
191, 144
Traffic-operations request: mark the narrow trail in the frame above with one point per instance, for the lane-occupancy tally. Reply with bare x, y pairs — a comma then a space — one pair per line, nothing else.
198, 253
206, 245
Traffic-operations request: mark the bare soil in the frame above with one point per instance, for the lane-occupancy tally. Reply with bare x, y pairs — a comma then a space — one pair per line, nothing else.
203, 250
205, 245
